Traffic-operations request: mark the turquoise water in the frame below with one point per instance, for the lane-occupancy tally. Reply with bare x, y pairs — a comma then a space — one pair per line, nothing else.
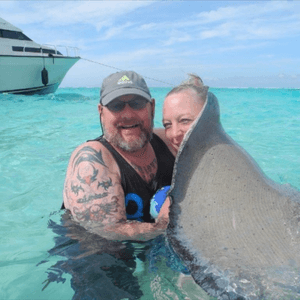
42, 259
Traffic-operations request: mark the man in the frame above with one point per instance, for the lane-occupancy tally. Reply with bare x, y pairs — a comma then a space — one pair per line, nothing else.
110, 180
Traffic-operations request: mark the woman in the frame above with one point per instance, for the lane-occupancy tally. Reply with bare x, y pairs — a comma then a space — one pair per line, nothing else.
181, 107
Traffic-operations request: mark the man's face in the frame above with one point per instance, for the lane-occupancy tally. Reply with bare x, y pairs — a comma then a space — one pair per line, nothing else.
128, 129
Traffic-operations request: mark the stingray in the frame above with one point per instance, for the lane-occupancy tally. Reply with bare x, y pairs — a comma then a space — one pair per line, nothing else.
236, 230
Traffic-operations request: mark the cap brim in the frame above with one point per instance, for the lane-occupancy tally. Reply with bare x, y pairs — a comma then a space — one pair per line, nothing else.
122, 92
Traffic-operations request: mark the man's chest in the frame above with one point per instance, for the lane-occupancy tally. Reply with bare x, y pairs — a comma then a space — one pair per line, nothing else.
147, 169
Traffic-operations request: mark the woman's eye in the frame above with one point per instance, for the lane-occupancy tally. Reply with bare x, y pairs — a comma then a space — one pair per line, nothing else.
167, 125
185, 121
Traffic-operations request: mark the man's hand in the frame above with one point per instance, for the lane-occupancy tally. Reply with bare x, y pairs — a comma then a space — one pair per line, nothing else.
163, 215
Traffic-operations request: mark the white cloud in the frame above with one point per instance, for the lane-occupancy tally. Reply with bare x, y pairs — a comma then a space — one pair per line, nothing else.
263, 20
178, 37
246, 12
239, 47
148, 26
116, 31
135, 57
223, 30
60, 13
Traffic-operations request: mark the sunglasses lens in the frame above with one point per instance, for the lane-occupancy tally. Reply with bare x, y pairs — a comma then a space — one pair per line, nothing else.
138, 103
116, 105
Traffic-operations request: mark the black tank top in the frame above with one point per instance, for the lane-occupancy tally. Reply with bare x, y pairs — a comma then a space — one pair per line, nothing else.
134, 186
136, 190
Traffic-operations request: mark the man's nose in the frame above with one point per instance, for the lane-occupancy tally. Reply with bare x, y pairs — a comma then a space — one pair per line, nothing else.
127, 110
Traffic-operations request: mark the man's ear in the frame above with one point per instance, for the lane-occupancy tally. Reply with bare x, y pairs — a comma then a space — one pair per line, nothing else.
153, 106
100, 108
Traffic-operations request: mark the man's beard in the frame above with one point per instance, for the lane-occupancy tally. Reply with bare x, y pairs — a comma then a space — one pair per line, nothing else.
116, 139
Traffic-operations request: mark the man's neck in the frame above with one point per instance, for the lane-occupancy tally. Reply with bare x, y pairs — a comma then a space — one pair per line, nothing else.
142, 153
144, 161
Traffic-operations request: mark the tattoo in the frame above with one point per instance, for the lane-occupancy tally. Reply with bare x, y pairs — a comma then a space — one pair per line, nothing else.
88, 154
148, 171
88, 179
81, 216
154, 184
76, 188
86, 199
105, 184
98, 212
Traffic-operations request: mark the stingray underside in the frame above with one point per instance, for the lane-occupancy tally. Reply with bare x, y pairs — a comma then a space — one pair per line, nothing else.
236, 230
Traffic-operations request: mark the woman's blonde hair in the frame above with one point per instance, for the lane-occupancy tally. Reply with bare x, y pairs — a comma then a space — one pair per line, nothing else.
194, 83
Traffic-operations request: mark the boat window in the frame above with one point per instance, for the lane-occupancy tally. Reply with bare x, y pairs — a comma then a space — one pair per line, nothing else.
48, 51
17, 48
35, 50
16, 35
30, 49
51, 51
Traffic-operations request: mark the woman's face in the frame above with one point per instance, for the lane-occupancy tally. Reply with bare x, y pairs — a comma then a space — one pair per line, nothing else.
179, 112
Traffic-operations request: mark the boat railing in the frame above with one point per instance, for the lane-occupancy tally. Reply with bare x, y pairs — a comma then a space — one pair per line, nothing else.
69, 51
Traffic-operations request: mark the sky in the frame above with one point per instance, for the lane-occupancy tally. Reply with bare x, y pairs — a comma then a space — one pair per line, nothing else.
228, 44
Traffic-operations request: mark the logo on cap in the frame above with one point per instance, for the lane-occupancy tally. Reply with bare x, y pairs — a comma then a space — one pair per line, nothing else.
124, 80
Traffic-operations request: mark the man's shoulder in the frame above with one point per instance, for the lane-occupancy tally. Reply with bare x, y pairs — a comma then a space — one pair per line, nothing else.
89, 146
95, 151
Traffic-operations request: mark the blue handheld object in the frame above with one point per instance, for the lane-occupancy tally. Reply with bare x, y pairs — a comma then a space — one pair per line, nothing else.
134, 207
158, 200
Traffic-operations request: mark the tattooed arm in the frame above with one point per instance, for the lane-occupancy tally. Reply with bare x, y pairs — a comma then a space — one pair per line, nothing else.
88, 184
94, 196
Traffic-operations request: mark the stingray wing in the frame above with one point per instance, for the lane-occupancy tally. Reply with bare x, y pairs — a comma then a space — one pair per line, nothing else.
236, 230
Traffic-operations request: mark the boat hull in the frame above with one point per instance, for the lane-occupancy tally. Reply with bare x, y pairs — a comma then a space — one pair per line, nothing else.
23, 74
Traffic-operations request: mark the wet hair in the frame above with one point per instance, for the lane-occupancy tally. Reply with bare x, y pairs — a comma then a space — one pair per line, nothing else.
194, 83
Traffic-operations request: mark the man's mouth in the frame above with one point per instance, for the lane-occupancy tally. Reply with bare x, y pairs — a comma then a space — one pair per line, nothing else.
128, 126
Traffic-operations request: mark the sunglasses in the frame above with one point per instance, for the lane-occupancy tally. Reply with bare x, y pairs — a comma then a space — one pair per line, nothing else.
136, 103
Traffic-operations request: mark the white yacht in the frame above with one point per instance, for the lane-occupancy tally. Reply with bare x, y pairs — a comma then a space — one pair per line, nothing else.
30, 68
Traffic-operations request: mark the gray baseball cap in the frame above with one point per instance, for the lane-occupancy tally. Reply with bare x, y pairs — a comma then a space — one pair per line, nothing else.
123, 83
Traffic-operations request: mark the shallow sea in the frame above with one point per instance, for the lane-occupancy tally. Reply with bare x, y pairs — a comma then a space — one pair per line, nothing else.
42, 256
